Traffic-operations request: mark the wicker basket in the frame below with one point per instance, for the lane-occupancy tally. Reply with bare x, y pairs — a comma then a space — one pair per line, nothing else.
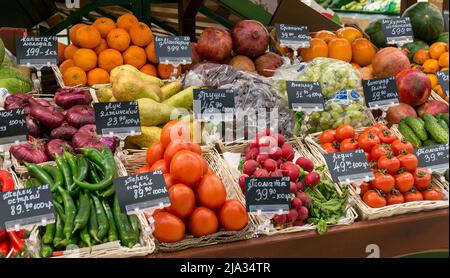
105, 250
263, 223
368, 213
136, 159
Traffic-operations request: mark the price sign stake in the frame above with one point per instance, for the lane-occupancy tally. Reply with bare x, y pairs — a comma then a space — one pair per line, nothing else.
268, 195
349, 166
118, 118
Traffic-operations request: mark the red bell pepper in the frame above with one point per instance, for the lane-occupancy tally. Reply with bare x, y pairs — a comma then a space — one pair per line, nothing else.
3, 235
4, 249
6, 181
23, 233
16, 242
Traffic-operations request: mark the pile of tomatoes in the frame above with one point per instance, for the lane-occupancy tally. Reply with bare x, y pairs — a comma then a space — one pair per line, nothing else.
397, 177
197, 195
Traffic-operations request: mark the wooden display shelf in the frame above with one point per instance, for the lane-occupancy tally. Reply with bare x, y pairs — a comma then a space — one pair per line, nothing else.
395, 236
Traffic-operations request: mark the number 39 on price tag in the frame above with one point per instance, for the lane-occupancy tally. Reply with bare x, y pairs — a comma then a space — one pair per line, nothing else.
268, 195
434, 157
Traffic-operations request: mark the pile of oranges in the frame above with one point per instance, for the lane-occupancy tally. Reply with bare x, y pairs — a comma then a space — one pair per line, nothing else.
98, 48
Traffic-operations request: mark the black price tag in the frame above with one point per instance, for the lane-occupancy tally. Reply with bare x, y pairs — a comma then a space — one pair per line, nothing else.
434, 157
305, 96
13, 127
380, 92
26, 207
349, 166
443, 80
214, 105
118, 118
173, 50
397, 30
37, 51
445, 15
268, 195
142, 192
297, 35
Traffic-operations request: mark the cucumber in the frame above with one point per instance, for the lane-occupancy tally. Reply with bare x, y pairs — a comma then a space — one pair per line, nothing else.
430, 142
434, 128
418, 129
443, 117
409, 134
443, 124
421, 122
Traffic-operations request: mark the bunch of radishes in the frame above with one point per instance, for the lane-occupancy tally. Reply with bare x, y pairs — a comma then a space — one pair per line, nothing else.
269, 156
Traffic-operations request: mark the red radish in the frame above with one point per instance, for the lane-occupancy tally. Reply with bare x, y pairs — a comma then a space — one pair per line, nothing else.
290, 170
280, 219
298, 223
306, 201
214, 44
32, 151
303, 213
433, 107
279, 162
414, 87
250, 38
261, 158
55, 147
293, 187
276, 173
389, 61
80, 115
280, 139
64, 132
270, 165
242, 181
296, 203
300, 186
312, 179
249, 167
251, 153
287, 152
276, 154
305, 164
268, 63
261, 173
292, 215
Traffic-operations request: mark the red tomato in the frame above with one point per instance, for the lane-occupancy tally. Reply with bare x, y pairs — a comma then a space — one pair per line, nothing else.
155, 153
168, 227
381, 126
144, 169
408, 161
174, 131
202, 222
413, 196
374, 200
365, 186
211, 192
401, 145
327, 136
379, 150
422, 178
432, 194
186, 168
329, 148
205, 166
348, 144
383, 182
195, 148
389, 163
387, 136
368, 156
404, 182
173, 148
344, 131
169, 180
394, 198
368, 140
375, 130
233, 216
182, 200
159, 165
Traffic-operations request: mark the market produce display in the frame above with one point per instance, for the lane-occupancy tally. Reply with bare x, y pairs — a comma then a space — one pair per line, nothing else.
427, 130
367, 6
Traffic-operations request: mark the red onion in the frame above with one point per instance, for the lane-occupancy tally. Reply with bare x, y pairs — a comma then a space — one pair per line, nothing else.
55, 146
32, 151
67, 98
64, 132
80, 115
109, 142
32, 126
86, 137
45, 116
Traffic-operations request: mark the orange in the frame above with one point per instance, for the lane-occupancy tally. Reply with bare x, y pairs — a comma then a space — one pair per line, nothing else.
141, 35
73, 32
109, 59
65, 65
135, 56
444, 69
202, 222
118, 39
69, 51
88, 37
166, 71
149, 69
433, 79
125, 21
104, 25
168, 227
363, 52
186, 168
325, 35
74, 76
150, 51
443, 60
349, 33
340, 49
61, 48
430, 66
317, 48
211, 192
97, 76
85, 58
421, 56
182, 200
155, 153
233, 216
102, 46
436, 49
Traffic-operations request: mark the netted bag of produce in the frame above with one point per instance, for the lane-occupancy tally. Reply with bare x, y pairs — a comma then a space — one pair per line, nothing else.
333, 75
254, 96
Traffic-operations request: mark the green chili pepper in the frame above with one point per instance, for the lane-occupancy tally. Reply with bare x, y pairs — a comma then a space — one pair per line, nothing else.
93, 154
46, 251
108, 192
97, 168
72, 162
83, 167
85, 237
112, 233
104, 164
93, 224
32, 183
93, 175
38, 173
135, 224
102, 220
127, 236
50, 229
55, 173
70, 211
65, 169
84, 210
59, 233
109, 156
60, 211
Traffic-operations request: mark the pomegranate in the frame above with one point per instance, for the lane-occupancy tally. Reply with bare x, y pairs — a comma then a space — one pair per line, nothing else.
268, 63
433, 107
250, 38
414, 87
214, 44
389, 61
242, 63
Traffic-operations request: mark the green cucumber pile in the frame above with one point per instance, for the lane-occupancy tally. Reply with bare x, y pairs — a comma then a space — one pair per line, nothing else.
87, 209
426, 131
